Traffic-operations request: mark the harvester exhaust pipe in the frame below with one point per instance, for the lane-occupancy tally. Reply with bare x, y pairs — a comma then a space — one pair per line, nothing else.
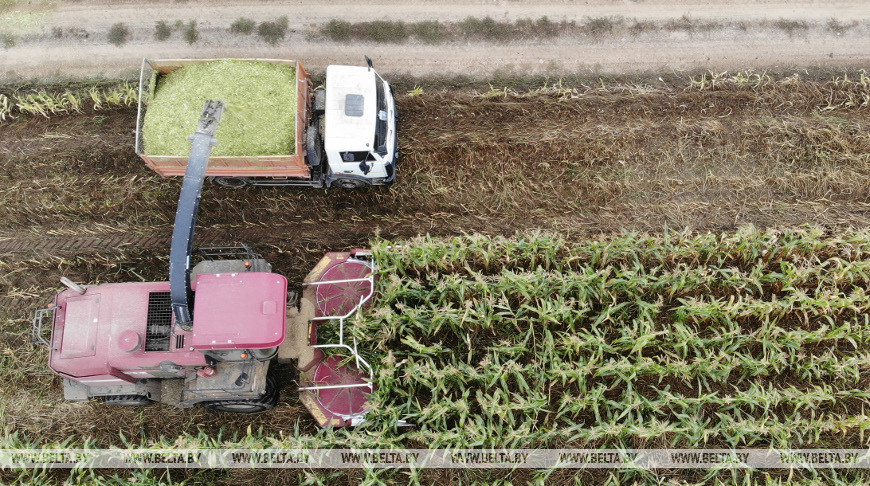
72, 285
188, 206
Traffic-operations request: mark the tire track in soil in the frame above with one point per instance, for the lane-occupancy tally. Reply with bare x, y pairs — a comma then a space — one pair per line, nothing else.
203, 237
14, 245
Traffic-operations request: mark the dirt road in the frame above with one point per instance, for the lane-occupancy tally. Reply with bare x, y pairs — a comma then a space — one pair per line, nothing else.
69, 38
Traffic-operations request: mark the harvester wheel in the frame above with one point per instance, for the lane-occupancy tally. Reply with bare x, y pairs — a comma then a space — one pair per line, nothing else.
126, 400
253, 405
232, 182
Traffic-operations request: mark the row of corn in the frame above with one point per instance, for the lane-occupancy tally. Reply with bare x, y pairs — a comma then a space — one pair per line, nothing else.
841, 92
47, 103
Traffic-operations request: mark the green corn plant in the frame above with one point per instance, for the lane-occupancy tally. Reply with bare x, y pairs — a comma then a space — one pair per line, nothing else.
5, 107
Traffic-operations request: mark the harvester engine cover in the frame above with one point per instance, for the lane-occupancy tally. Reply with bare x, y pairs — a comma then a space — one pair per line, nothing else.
239, 310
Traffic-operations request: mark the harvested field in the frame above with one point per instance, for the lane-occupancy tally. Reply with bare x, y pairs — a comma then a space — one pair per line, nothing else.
586, 158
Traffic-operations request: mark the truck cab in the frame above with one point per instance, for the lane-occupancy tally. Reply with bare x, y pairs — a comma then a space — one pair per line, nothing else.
359, 127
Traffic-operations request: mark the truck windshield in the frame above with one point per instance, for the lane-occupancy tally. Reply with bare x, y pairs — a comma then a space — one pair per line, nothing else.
381, 125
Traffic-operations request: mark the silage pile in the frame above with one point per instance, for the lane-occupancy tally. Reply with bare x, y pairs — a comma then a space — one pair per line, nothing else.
260, 113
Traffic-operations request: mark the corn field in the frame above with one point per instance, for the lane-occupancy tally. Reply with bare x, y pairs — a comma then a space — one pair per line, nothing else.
749, 339
47, 102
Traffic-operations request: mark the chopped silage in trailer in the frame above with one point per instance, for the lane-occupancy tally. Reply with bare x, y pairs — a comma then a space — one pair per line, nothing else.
260, 114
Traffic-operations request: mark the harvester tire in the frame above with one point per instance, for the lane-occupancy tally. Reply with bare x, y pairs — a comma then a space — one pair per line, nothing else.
126, 400
252, 405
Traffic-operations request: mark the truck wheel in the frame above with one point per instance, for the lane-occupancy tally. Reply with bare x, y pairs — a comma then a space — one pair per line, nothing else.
251, 405
312, 145
126, 400
232, 182
348, 183
319, 102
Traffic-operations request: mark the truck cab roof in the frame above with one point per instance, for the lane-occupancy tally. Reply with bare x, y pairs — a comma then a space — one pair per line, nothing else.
351, 104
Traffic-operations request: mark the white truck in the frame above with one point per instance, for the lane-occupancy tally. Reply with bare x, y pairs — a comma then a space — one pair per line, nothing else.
345, 134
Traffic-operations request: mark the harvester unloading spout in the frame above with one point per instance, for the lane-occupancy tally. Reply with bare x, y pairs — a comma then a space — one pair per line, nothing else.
188, 206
